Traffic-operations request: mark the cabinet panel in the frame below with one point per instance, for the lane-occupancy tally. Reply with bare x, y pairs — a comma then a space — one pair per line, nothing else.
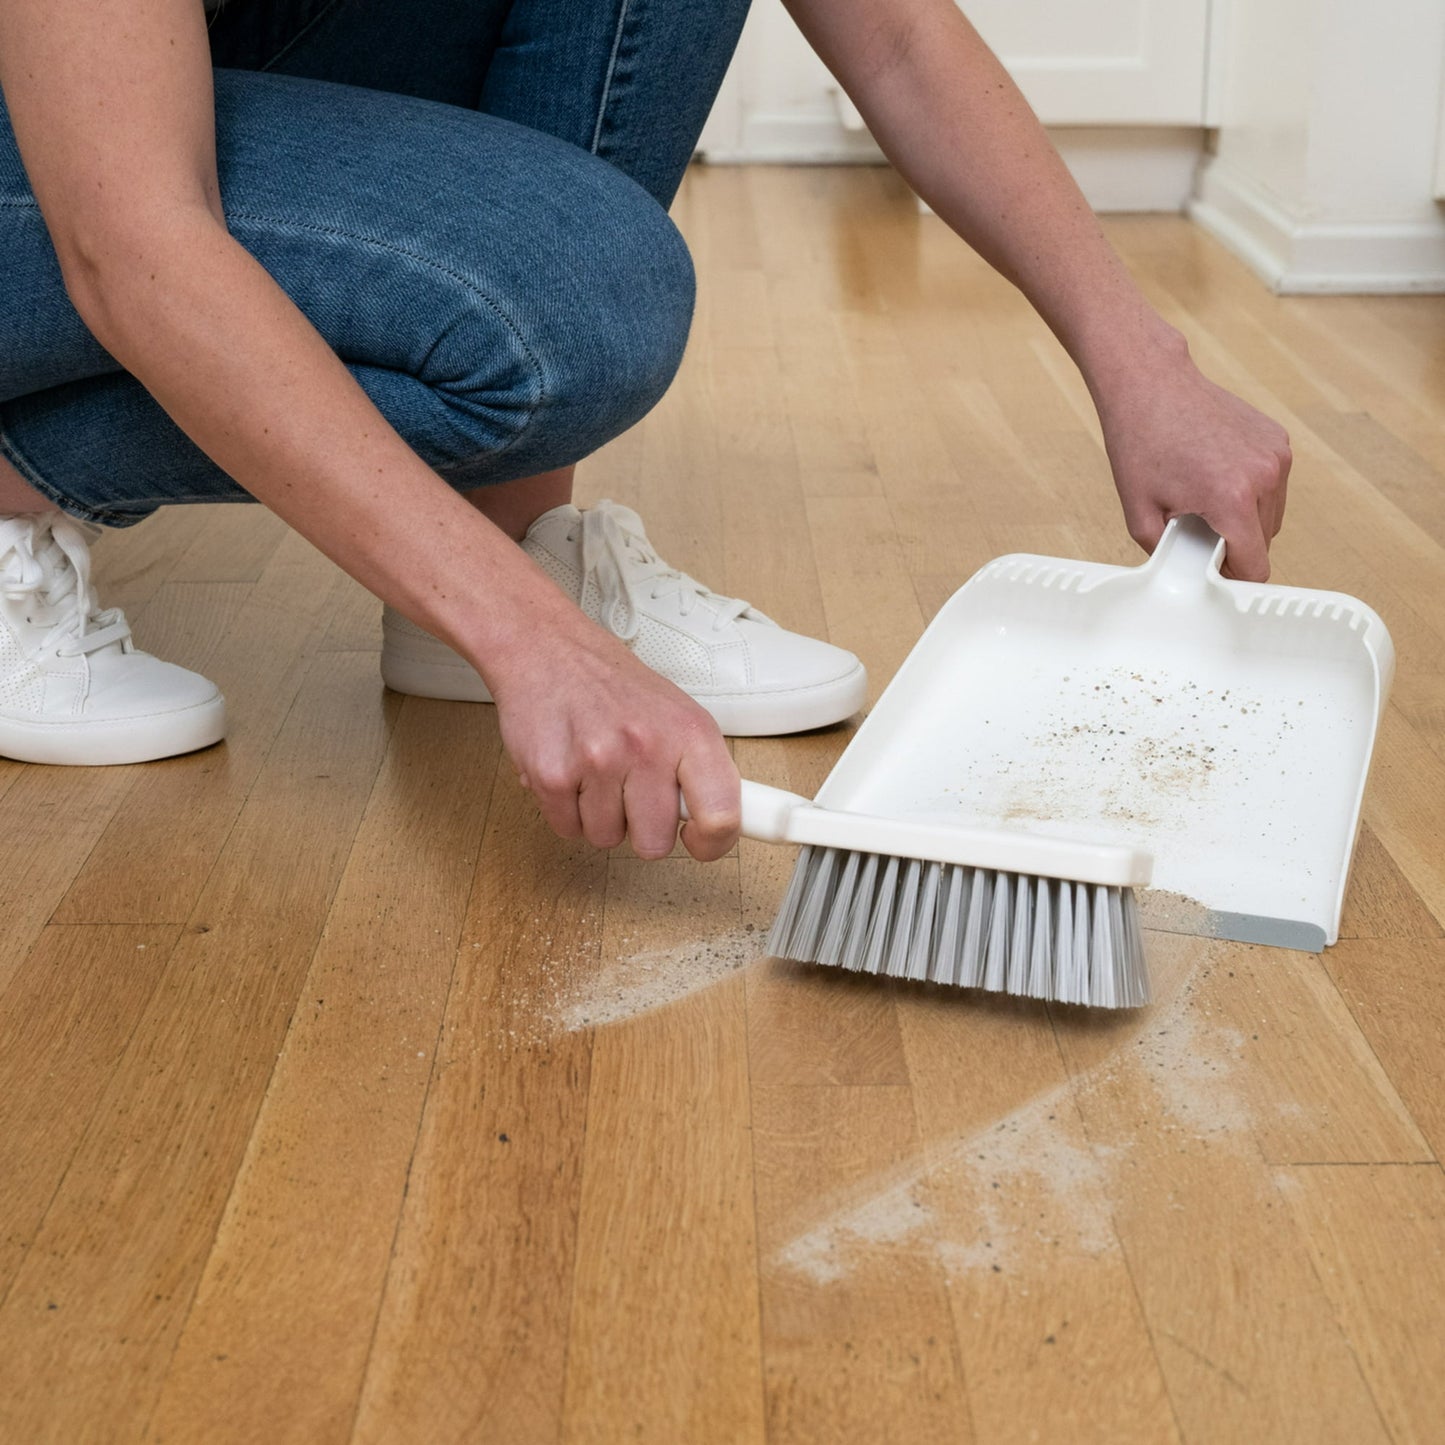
1080, 62
1127, 62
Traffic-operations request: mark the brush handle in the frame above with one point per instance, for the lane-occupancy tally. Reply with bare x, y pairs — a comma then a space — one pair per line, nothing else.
772, 815
765, 811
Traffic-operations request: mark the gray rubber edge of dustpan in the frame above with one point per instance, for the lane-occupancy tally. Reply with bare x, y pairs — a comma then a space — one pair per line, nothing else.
1256, 928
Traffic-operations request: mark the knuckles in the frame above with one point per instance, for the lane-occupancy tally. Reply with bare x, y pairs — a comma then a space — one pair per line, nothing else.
1265, 475
601, 756
712, 832
553, 780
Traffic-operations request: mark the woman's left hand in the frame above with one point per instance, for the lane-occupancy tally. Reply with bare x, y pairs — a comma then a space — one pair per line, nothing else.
1180, 444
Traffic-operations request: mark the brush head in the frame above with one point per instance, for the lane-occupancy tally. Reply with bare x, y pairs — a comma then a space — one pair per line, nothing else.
964, 926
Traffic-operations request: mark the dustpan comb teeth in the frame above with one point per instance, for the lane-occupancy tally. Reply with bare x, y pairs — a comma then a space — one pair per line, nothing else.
964, 927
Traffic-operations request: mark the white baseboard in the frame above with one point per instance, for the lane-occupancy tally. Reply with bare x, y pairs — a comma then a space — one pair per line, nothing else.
1304, 257
1132, 168
794, 140
1119, 168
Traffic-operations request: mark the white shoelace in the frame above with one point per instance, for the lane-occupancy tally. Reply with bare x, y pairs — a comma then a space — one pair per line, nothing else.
626, 569
46, 560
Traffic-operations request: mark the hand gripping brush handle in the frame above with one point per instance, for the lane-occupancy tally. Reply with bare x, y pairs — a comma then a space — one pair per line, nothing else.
998, 909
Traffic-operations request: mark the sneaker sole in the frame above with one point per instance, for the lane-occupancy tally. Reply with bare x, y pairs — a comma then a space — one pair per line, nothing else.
111, 744
738, 715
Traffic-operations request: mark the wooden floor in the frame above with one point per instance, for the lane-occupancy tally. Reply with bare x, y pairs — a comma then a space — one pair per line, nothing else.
340, 1102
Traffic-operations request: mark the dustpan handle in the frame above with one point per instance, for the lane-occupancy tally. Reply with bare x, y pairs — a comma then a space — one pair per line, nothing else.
1187, 559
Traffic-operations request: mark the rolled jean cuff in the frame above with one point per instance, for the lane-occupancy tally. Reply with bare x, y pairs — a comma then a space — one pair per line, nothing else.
67, 504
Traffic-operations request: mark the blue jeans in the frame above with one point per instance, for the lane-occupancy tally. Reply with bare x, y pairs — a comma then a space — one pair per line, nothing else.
465, 197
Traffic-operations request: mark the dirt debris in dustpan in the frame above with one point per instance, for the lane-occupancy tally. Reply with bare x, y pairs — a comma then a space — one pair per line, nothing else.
1125, 747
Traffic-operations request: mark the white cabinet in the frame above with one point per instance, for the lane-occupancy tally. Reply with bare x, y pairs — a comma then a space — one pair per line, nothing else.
1102, 62
1439, 191
1131, 70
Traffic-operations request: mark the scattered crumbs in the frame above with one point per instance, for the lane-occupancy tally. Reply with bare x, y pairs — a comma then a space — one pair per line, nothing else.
567, 988
1146, 742
641, 982
887, 1218
990, 1199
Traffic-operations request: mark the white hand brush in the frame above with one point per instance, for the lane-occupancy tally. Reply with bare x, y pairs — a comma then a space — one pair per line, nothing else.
997, 909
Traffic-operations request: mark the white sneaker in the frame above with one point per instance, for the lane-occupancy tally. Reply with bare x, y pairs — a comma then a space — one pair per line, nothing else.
73, 689
754, 677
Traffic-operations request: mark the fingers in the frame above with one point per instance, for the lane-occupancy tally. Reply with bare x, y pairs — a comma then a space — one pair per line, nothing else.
605, 745
605, 809
1255, 514
651, 800
1286, 461
1246, 545
626, 784
1146, 526
708, 779
605, 793
712, 788
557, 798
1180, 444
603, 814
1246, 552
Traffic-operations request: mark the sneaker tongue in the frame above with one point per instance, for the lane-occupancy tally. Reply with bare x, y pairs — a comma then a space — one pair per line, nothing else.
618, 552
627, 519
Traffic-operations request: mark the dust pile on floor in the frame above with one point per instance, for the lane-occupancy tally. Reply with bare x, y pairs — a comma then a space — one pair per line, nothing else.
1032, 1178
637, 983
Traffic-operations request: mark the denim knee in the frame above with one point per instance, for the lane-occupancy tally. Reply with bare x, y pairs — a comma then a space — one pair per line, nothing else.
606, 350
508, 301
624, 349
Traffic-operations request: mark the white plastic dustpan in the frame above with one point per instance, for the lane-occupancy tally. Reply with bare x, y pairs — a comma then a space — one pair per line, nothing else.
1225, 727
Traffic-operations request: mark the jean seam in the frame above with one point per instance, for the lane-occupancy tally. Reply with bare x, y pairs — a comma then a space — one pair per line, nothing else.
91, 514
602, 100
538, 374
300, 35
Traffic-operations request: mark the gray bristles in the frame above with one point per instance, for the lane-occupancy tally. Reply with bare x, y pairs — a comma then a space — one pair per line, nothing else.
964, 927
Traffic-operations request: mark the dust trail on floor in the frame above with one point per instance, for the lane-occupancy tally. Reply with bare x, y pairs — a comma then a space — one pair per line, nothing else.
640, 982
1022, 1154
1030, 1176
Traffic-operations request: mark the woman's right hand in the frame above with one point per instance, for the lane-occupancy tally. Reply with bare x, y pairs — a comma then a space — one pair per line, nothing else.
605, 745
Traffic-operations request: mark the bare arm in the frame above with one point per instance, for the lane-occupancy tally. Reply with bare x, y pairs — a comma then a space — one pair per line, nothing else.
951, 119
113, 111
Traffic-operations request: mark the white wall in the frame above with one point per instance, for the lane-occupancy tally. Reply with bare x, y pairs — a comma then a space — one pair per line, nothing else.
1324, 168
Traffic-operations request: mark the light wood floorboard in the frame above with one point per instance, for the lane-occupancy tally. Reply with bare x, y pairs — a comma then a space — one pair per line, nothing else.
340, 1102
